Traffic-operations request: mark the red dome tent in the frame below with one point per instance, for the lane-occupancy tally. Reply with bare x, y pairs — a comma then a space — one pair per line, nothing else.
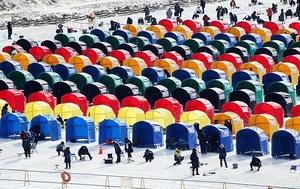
76, 98
271, 108
294, 59
169, 24
137, 102
120, 54
38, 52
15, 98
234, 58
66, 52
10, 48
201, 104
174, 56
44, 96
295, 25
274, 26
109, 100
170, 104
148, 56
295, 111
93, 54
265, 60
194, 25
206, 58
221, 24
247, 25
240, 108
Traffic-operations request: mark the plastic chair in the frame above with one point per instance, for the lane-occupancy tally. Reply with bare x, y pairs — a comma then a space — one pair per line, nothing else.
293, 168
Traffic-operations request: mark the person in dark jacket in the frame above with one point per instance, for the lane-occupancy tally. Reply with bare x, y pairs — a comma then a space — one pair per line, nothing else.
298, 11
178, 10
128, 147
117, 151
205, 19
26, 144
222, 155
9, 30
169, 13
148, 155
281, 16
23, 134
228, 125
84, 151
201, 138
60, 147
255, 162
4, 109
60, 120
202, 4
288, 12
147, 11
67, 156
129, 20
254, 16
195, 162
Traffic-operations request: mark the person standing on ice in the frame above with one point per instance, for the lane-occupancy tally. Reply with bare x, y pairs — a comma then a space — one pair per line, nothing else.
195, 162
222, 155
202, 4
67, 156
269, 14
9, 30
128, 147
169, 13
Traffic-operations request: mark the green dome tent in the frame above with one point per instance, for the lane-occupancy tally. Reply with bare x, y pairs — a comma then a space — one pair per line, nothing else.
115, 41
141, 41
194, 44
20, 77
64, 38
283, 86
195, 83
89, 39
167, 43
170, 83
141, 82
223, 84
50, 77
254, 86
81, 79
111, 81
249, 45
278, 45
221, 45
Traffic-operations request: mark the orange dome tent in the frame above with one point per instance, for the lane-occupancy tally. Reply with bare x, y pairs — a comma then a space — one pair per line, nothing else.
160, 30
196, 65
79, 62
238, 32
54, 59
212, 30
226, 66
137, 65
235, 120
255, 67
108, 62
185, 30
166, 64
24, 59
4, 56
265, 33
135, 29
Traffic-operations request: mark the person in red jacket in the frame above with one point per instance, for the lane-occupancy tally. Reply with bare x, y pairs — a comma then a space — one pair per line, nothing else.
206, 20
269, 14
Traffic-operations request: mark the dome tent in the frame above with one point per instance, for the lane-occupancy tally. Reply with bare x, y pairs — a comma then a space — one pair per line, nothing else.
81, 79
219, 133
111, 81
232, 57
257, 39
9, 66
36, 68
216, 96
170, 104
223, 84
195, 83
147, 134
109, 100
201, 104
54, 59
293, 123
62, 88
130, 47
182, 131
136, 101
38, 52
114, 130
99, 113
235, 120
27, 44
91, 90
249, 45
6, 84
154, 93
35, 86
271, 108
33, 109
131, 115
93, 54
65, 70
148, 56
50, 127
241, 51
211, 74
94, 70
150, 35
44, 96
282, 98
170, 83
286, 142
100, 34
105, 47
244, 95
51, 44
141, 41
78, 99
184, 73
78, 46
15, 98
141, 82
240, 108
122, 91
184, 94
254, 86
12, 124
126, 34
243, 75
204, 57
155, 74
80, 129
161, 115
50, 77
195, 116
204, 36
20, 77
157, 49
252, 141
283, 86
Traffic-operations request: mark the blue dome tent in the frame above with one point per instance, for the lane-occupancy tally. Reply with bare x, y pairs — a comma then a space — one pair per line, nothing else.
94, 70
285, 38
286, 142
257, 39
147, 134
100, 34
243, 75
151, 35
65, 70
113, 129
36, 68
126, 34
9, 66
213, 74
184, 73
272, 77
230, 38
177, 36
204, 36
12, 124
181, 132
219, 133
154, 74
252, 141
50, 127
80, 129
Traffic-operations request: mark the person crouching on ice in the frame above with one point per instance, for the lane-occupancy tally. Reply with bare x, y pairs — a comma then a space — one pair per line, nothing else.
177, 156
148, 155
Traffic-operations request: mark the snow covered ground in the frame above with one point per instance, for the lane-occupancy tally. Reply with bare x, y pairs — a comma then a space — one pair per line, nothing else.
160, 173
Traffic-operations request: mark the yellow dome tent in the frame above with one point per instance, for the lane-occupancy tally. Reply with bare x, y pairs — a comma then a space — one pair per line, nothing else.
2, 103
265, 33
185, 30
158, 29
53, 59
288, 31
137, 65
256, 67
135, 29
100, 112
226, 66
195, 116
293, 123
212, 30
4, 56
196, 65
67, 110
236, 122
289, 69
33, 109
160, 115
24, 59
166, 64
266, 122
236, 31
108, 62
131, 115
79, 62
